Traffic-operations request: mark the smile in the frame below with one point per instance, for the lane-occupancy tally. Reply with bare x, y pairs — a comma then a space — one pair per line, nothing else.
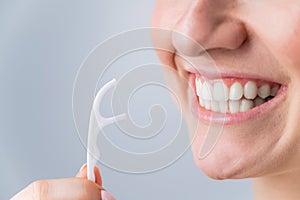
234, 99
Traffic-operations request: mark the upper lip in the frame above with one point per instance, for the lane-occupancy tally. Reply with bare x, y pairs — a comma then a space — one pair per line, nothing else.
224, 71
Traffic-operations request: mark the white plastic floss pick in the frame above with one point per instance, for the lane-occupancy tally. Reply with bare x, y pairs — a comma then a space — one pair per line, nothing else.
97, 123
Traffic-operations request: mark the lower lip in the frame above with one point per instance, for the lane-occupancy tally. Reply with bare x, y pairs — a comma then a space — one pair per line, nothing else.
228, 118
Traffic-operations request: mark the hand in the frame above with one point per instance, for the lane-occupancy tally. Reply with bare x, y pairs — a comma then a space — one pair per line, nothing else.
69, 188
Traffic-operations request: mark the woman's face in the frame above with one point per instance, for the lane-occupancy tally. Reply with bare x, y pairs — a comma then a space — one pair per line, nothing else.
255, 46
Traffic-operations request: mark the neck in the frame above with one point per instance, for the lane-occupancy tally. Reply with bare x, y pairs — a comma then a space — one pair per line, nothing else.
283, 186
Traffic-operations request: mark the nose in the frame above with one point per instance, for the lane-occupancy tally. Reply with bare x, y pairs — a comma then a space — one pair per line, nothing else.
207, 25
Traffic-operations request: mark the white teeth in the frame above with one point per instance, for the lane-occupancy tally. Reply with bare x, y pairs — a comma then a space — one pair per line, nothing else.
215, 106
207, 104
223, 106
236, 91
198, 86
258, 101
264, 91
246, 105
274, 90
250, 90
234, 106
220, 92
206, 91
201, 102
219, 98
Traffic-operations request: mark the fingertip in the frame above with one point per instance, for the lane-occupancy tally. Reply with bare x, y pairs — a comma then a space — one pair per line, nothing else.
82, 172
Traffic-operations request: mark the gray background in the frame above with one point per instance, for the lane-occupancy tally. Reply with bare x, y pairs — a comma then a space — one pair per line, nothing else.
42, 45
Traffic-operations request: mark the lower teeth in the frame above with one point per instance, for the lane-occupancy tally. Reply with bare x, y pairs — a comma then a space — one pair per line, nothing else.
230, 106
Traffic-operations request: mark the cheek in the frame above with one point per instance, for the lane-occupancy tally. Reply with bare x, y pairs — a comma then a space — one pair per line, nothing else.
290, 49
165, 16
161, 37
285, 45
161, 16
279, 30
167, 12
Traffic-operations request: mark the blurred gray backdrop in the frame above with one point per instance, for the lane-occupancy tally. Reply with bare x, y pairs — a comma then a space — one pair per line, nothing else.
42, 45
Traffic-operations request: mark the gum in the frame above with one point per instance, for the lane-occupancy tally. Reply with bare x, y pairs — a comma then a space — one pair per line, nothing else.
230, 81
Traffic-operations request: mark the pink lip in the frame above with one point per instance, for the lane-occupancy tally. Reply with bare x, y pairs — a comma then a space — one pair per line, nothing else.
228, 118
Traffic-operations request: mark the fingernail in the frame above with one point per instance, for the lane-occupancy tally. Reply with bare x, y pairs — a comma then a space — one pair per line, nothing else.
106, 196
82, 167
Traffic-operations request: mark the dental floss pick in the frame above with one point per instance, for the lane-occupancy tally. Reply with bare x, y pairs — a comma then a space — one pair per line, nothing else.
96, 124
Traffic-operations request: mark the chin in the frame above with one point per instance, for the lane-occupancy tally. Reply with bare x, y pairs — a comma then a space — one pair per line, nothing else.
233, 157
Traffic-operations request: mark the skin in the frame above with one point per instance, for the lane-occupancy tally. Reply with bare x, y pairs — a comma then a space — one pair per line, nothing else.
257, 38
57, 189
245, 39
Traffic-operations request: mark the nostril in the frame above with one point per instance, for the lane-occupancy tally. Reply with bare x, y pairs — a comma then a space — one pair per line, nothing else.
186, 45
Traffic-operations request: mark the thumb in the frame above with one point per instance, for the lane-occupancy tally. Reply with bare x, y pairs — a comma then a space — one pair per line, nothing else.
83, 174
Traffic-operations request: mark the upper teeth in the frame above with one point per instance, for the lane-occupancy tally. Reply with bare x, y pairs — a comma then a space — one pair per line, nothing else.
218, 97
250, 90
220, 92
236, 91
